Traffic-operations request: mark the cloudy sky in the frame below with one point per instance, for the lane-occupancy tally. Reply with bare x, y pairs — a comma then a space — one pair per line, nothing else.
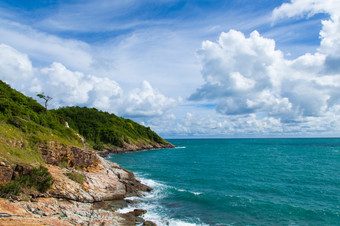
222, 68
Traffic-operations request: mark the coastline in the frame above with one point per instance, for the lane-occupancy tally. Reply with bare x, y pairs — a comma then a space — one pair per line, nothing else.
95, 201
134, 148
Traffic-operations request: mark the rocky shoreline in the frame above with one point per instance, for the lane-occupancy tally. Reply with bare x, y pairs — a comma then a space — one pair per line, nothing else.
134, 148
92, 202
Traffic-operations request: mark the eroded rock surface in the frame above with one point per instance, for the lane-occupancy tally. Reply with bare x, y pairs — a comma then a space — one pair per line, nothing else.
107, 181
55, 153
69, 202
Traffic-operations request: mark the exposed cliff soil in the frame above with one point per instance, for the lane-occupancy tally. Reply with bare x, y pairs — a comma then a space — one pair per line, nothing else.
134, 147
92, 201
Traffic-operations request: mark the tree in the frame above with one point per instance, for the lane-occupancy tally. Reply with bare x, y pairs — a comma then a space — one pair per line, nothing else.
46, 98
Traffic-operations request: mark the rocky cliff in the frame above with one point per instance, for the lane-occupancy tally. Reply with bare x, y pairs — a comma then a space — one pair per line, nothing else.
89, 201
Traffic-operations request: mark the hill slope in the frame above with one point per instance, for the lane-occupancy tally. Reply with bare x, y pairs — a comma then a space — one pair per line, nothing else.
108, 130
42, 160
24, 122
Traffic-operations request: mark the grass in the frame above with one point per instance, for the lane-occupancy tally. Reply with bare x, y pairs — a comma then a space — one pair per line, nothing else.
22, 148
77, 177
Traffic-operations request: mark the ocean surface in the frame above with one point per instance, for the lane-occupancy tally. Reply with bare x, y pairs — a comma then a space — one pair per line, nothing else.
240, 182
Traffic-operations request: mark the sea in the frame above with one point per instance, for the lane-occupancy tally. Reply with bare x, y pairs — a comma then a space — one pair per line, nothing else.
239, 182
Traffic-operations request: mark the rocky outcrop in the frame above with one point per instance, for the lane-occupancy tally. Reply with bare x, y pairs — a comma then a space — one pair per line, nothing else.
135, 147
106, 182
57, 154
6, 172
51, 211
91, 201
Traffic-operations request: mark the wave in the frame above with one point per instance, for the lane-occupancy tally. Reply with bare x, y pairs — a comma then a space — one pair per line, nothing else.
151, 201
192, 192
180, 147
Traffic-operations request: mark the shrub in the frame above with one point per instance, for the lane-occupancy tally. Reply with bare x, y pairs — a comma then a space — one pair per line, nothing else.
38, 178
10, 189
41, 179
98, 147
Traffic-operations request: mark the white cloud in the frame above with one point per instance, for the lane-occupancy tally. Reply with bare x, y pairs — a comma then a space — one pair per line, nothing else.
69, 87
14, 64
45, 48
146, 102
250, 76
330, 39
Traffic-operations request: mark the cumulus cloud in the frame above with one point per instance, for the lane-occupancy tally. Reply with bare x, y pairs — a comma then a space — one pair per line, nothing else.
69, 87
14, 64
146, 102
248, 75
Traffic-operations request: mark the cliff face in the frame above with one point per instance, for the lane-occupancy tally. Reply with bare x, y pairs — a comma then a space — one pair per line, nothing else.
71, 202
55, 153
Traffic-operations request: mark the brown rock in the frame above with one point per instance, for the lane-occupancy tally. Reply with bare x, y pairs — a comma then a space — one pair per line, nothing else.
6, 172
107, 182
50, 211
138, 212
58, 154
149, 223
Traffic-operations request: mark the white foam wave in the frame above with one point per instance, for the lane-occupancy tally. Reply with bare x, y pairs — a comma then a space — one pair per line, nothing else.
150, 202
181, 147
192, 192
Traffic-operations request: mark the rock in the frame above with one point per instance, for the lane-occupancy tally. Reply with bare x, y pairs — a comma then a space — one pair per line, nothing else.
6, 172
136, 147
106, 182
68, 202
138, 212
111, 205
57, 154
51, 211
149, 223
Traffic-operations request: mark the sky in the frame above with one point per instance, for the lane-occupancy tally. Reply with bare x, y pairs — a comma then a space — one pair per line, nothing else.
187, 69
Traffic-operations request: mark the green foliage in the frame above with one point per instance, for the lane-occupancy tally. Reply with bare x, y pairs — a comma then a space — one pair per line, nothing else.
38, 178
98, 146
10, 189
29, 116
77, 177
104, 128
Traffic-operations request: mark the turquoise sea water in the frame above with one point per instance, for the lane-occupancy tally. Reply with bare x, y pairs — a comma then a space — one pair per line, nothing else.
240, 181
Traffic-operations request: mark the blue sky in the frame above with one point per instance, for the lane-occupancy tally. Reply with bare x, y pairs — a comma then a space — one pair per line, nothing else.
240, 68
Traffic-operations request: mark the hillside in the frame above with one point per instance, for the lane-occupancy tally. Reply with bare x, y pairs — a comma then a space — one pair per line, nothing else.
108, 131
24, 119
43, 162
24, 124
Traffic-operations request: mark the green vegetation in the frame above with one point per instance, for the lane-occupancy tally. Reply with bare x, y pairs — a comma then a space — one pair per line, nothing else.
31, 118
103, 128
37, 179
77, 177
25, 125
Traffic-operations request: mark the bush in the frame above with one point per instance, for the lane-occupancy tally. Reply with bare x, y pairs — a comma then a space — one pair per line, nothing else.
41, 179
38, 178
10, 189
98, 147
